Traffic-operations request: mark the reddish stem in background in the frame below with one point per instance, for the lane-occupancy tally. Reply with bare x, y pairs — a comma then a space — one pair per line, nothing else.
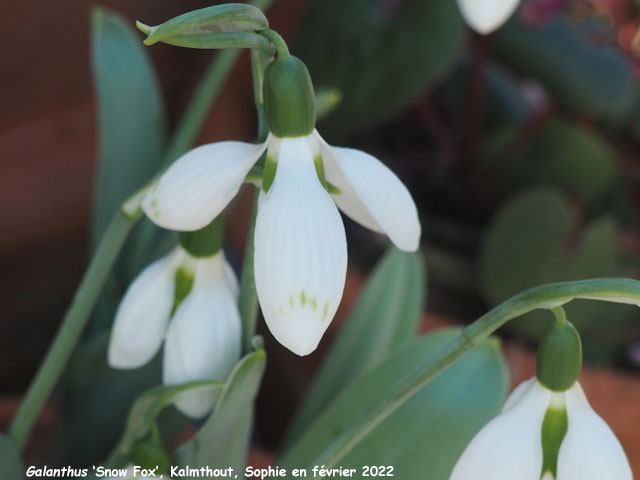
481, 45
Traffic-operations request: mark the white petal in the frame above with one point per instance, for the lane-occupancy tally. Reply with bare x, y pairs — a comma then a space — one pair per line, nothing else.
485, 16
590, 450
203, 341
372, 195
517, 394
300, 252
232, 280
143, 313
200, 184
509, 446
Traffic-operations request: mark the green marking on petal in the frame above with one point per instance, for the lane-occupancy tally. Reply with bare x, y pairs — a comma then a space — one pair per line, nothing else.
325, 310
154, 203
317, 161
314, 303
303, 298
554, 428
270, 167
183, 279
292, 300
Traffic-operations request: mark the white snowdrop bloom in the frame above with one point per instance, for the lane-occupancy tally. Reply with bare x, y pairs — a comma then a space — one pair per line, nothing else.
522, 441
485, 16
143, 314
202, 336
300, 245
203, 339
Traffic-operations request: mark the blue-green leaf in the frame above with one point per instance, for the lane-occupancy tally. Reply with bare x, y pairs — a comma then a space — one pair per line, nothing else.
385, 317
131, 115
11, 467
378, 58
223, 440
434, 426
581, 74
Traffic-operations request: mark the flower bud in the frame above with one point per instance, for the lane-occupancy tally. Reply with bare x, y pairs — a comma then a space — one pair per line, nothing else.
289, 100
559, 358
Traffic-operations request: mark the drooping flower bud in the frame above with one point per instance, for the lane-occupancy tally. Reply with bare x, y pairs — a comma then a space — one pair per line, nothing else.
289, 100
559, 360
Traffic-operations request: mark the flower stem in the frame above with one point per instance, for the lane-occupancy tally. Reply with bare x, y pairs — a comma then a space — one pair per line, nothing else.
546, 297
277, 40
248, 298
72, 326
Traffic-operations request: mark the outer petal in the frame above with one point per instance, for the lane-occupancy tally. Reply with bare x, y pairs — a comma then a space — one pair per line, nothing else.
589, 450
200, 184
485, 16
509, 446
372, 195
300, 252
517, 394
143, 313
203, 341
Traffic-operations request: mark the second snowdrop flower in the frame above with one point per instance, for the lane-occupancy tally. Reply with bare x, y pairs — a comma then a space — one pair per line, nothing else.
547, 430
188, 300
300, 243
485, 16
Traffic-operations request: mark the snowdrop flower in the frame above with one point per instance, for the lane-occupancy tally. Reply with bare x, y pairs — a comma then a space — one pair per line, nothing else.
547, 430
300, 256
485, 16
189, 303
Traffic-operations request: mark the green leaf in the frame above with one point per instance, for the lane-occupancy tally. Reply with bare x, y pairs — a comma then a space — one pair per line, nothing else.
434, 426
223, 440
535, 239
131, 115
560, 153
391, 57
219, 40
11, 467
385, 317
583, 75
146, 409
226, 18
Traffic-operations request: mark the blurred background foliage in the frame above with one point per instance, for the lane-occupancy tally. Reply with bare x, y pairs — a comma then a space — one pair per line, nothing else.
520, 148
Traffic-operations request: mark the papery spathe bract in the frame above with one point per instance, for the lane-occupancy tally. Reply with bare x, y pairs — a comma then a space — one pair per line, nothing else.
485, 16
510, 446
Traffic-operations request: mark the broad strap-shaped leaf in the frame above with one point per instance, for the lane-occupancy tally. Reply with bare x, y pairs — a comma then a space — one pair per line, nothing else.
583, 74
395, 54
131, 115
223, 440
11, 467
144, 412
386, 316
429, 431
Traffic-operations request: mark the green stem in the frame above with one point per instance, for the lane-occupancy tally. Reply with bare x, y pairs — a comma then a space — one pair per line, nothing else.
547, 296
71, 328
560, 315
277, 40
248, 298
